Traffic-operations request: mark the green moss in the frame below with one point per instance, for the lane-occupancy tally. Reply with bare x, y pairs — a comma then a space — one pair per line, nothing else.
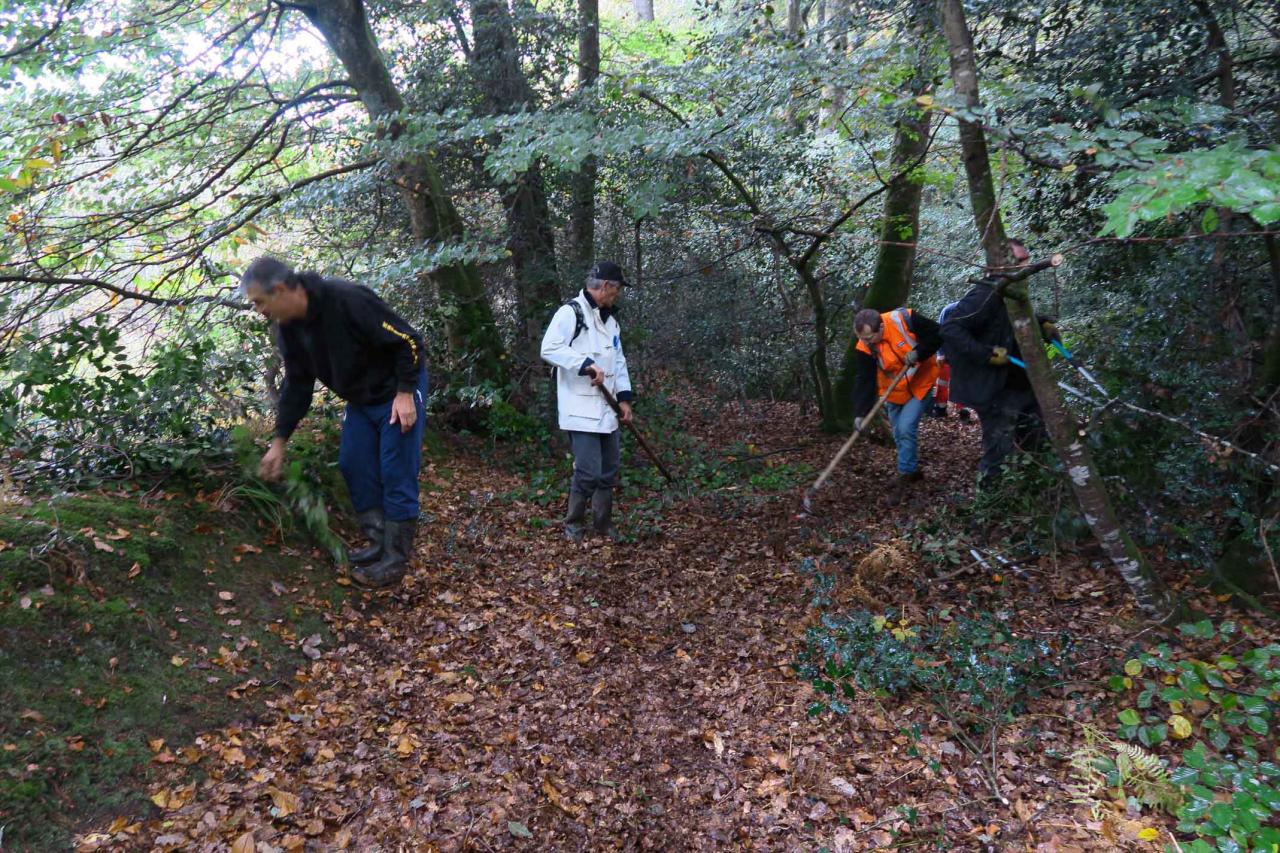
95, 663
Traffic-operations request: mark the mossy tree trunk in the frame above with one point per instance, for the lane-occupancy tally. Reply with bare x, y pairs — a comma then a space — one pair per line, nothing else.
432, 215
1064, 432
495, 63
899, 228
582, 213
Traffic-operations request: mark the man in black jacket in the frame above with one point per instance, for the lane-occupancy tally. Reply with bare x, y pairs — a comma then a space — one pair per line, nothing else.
979, 343
342, 334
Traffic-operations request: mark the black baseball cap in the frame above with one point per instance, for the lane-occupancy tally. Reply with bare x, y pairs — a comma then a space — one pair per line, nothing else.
608, 271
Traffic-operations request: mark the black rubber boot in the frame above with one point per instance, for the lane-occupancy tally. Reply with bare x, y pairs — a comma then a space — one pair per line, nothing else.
575, 519
397, 547
372, 522
602, 515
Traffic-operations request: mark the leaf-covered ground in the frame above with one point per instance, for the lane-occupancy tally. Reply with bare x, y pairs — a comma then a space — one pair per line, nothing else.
524, 692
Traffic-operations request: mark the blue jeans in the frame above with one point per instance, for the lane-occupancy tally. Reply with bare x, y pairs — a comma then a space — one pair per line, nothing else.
906, 421
379, 462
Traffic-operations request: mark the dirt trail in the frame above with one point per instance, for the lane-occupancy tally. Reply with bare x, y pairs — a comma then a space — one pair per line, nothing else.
525, 692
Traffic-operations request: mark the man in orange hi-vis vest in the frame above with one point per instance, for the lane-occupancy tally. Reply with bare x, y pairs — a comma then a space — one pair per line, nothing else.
887, 343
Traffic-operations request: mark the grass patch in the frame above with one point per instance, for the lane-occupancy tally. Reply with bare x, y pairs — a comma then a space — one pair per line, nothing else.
125, 621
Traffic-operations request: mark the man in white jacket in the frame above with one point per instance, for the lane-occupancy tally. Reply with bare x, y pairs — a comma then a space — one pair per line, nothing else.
583, 343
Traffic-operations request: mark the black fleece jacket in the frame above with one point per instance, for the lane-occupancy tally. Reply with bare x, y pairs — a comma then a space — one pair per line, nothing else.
352, 342
975, 326
928, 340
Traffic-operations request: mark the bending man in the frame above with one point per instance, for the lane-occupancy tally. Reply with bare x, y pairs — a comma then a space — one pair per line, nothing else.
342, 334
979, 343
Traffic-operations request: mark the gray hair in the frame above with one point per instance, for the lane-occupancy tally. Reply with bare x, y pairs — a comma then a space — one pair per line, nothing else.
595, 283
265, 271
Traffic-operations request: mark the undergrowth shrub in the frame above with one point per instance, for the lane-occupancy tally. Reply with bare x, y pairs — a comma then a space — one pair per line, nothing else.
77, 407
1221, 702
974, 671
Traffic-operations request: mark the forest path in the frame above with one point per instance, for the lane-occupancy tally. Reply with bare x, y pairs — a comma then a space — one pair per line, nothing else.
524, 691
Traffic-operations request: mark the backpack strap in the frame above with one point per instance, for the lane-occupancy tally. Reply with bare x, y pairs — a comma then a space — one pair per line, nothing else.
579, 320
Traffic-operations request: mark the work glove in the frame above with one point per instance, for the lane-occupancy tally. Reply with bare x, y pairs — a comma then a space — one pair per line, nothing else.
1049, 329
857, 424
999, 357
913, 358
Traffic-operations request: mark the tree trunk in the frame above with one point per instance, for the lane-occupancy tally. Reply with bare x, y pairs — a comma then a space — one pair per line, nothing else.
1150, 592
432, 215
1226, 292
643, 9
795, 19
891, 281
836, 16
1270, 379
582, 215
495, 60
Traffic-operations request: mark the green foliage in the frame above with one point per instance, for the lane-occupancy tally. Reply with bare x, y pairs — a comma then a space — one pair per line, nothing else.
1230, 176
1027, 511
78, 406
1126, 772
973, 670
306, 490
1223, 703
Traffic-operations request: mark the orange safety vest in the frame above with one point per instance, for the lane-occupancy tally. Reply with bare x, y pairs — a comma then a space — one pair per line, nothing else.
890, 355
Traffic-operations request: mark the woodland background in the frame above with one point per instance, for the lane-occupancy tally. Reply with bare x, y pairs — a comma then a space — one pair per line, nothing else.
761, 172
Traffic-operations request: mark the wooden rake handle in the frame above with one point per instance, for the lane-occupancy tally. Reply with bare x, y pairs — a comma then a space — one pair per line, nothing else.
644, 445
831, 466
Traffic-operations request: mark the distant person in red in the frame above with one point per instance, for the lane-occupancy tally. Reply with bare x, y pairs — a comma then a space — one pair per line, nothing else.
942, 390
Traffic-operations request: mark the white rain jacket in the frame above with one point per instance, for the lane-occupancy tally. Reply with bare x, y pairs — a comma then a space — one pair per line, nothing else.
581, 405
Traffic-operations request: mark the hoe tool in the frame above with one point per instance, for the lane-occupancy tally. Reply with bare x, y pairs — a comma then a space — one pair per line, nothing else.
831, 466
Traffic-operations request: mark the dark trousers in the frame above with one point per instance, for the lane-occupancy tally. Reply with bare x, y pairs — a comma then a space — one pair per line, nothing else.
1011, 419
379, 462
596, 458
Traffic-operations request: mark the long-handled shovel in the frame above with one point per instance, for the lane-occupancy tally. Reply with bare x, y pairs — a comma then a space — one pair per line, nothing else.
644, 445
831, 466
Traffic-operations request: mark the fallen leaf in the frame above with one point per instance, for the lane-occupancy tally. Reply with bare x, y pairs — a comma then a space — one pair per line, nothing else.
459, 698
103, 546
518, 829
246, 548
120, 533
245, 844
285, 803
177, 661
135, 570
226, 595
